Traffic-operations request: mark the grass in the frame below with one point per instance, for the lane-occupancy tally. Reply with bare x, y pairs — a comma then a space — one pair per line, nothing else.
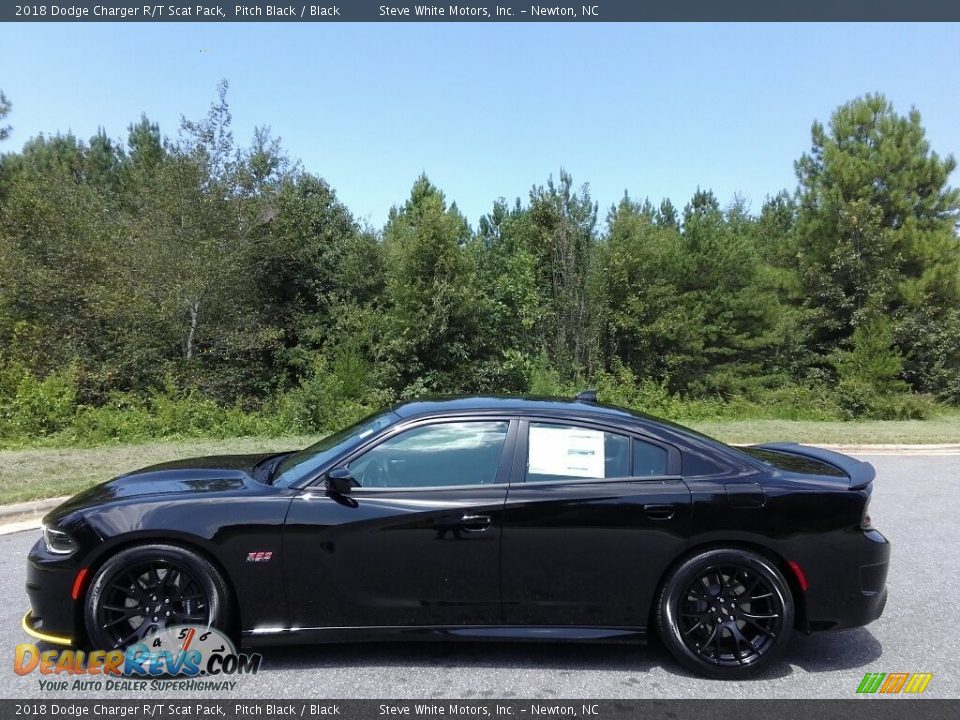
941, 429
36, 473
50, 472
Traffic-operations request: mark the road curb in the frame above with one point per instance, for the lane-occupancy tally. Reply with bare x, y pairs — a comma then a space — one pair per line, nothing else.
26, 515
31, 507
895, 449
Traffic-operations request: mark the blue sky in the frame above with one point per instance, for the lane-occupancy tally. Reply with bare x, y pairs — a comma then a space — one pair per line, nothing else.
491, 109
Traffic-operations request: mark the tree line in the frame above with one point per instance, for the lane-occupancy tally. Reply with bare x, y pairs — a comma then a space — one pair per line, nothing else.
204, 278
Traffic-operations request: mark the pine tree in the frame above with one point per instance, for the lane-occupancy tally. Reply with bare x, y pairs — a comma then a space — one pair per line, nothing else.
876, 227
431, 294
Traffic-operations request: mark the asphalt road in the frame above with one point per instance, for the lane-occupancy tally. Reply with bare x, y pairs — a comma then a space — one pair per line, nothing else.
916, 504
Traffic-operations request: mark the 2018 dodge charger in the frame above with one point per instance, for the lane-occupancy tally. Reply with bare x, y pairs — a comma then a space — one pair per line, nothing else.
476, 518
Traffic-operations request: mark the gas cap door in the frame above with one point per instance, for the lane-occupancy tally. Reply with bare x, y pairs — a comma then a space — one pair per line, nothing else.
745, 495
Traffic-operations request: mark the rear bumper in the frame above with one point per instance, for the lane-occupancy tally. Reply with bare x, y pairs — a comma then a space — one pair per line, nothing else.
869, 608
854, 591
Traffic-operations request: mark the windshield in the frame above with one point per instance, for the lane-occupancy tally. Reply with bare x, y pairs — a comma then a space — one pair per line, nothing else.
306, 462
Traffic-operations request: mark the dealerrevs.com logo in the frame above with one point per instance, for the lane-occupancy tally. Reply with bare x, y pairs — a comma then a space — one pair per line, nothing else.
191, 657
894, 683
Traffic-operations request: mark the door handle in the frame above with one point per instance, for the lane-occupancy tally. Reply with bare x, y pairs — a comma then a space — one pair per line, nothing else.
475, 523
660, 512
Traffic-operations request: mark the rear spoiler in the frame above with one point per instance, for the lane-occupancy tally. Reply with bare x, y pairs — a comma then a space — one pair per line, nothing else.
860, 473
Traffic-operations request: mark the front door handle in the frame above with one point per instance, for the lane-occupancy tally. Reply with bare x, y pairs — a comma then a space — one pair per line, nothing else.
475, 523
660, 512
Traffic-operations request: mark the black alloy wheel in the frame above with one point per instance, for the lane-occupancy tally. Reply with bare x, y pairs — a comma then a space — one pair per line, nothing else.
150, 587
725, 613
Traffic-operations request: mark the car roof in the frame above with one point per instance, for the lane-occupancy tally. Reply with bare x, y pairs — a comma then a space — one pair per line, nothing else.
515, 405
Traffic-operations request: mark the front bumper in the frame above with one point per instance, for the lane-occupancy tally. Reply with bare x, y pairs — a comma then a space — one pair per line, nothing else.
34, 629
50, 585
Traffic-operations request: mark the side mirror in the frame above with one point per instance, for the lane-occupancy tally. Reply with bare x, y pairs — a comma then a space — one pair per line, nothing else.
340, 481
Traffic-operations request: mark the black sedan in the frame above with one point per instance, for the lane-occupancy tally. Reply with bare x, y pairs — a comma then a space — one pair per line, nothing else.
476, 518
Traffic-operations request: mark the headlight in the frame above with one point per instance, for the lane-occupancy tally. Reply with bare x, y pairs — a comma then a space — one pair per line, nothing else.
57, 541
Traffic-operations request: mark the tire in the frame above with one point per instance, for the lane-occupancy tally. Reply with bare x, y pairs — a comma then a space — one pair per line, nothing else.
147, 587
725, 613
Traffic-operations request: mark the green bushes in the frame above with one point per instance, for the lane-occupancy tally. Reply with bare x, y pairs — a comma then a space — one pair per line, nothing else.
859, 400
331, 396
620, 387
46, 411
849, 400
30, 407
870, 385
335, 393
126, 418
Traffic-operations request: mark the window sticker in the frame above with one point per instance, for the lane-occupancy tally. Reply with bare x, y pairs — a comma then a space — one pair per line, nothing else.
566, 451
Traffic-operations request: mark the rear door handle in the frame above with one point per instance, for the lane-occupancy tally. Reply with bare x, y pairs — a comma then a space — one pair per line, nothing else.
660, 512
475, 523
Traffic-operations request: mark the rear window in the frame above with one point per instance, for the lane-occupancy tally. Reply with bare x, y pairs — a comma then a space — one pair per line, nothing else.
793, 463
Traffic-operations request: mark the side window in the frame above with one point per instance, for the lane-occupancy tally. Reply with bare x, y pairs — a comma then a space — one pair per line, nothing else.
454, 453
648, 459
558, 452
695, 464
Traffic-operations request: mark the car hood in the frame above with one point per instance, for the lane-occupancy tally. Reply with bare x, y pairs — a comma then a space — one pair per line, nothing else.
194, 477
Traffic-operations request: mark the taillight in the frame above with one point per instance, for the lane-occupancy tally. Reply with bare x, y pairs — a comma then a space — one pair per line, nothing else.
865, 522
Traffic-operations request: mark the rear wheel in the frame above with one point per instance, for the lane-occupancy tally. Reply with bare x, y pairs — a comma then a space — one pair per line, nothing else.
150, 587
725, 613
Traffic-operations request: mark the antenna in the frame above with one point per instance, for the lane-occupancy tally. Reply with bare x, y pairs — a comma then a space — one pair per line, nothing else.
589, 396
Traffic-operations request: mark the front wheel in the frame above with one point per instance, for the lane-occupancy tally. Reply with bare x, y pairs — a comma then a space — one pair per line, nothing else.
725, 613
150, 587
